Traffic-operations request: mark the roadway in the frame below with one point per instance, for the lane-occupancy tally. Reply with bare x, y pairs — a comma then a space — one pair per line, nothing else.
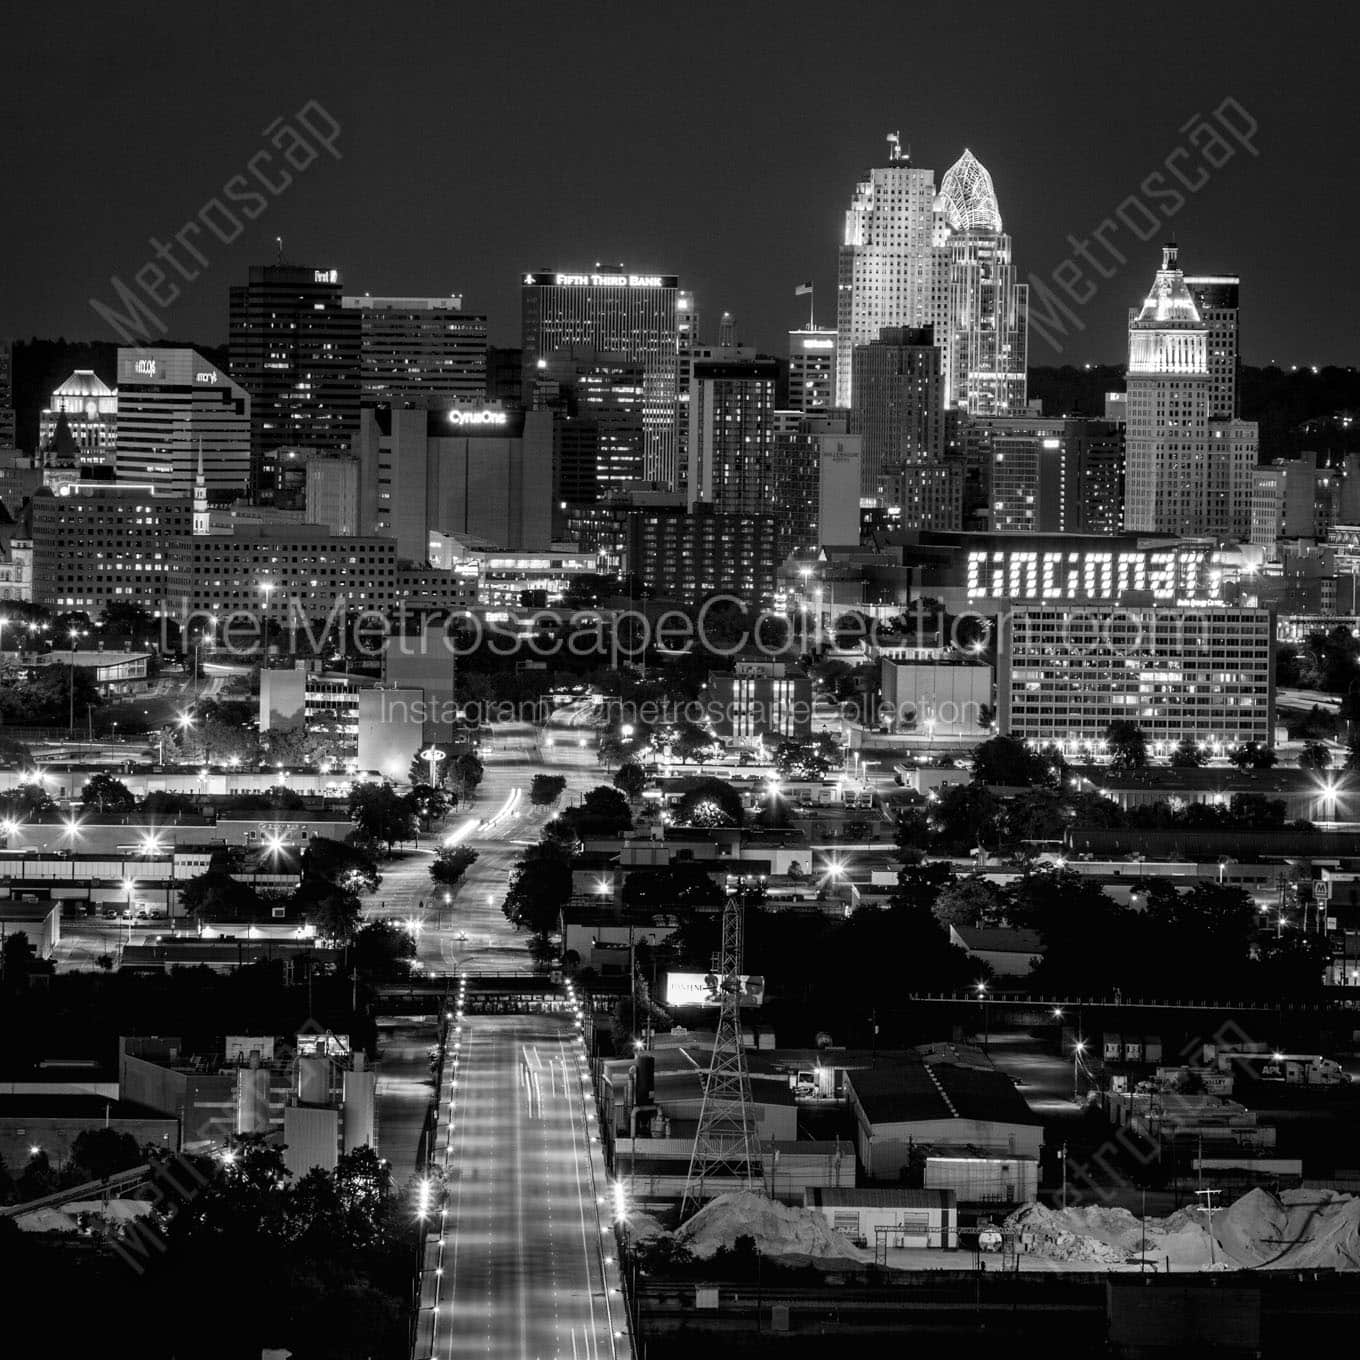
520, 1258
469, 929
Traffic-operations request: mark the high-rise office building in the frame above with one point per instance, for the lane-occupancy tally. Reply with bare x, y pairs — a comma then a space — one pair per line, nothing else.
1233, 452
420, 350
924, 496
504, 375
1215, 298
295, 350
1186, 472
1047, 474
731, 429
812, 369
79, 425
177, 410
611, 311
599, 430
687, 340
985, 341
7, 430
481, 471
1167, 475
889, 270
898, 404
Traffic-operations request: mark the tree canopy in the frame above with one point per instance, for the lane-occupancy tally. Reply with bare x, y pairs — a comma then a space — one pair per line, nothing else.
709, 802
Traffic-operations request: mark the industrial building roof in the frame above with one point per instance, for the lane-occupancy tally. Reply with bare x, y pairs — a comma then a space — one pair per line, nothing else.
1000, 939
916, 1092
837, 1197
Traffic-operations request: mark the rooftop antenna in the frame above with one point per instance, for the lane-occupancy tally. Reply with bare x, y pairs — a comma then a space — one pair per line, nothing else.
894, 140
278, 242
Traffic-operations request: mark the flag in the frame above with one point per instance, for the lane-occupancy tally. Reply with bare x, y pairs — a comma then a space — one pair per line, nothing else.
803, 289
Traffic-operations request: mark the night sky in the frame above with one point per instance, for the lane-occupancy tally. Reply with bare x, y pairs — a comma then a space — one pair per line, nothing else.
717, 141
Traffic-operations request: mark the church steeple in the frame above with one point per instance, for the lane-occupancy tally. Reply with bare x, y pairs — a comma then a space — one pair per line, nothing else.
200, 496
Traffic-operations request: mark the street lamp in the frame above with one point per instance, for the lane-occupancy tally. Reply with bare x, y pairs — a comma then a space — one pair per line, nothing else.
981, 988
129, 887
432, 755
212, 634
73, 634
1078, 1049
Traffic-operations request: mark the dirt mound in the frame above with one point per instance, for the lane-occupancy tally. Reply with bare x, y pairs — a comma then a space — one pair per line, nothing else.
1301, 1229
1064, 1235
1321, 1230
1254, 1229
795, 1236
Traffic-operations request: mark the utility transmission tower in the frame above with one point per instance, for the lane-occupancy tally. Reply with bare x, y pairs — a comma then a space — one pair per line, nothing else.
725, 1146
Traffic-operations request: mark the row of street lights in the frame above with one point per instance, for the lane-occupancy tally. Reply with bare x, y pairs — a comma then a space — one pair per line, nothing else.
1078, 1045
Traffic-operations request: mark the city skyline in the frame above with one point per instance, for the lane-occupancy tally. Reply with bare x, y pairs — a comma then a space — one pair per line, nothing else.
558, 203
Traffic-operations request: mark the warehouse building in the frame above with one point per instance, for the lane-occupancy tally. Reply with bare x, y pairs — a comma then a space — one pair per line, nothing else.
937, 1107
893, 1219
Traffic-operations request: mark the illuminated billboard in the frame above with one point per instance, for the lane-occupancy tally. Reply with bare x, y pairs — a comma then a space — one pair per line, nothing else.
702, 989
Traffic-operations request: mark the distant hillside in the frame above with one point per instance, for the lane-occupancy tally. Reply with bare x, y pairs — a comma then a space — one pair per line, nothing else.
40, 366
1296, 409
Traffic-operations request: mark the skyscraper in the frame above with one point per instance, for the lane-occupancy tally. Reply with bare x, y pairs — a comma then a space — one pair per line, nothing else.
1185, 473
79, 426
812, 369
422, 350
898, 404
1047, 474
6, 394
687, 340
175, 409
1216, 301
889, 271
1168, 385
295, 350
985, 341
598, 407
731, 430
610, 311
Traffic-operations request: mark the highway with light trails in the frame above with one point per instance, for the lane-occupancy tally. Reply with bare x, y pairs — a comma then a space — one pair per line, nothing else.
520, 1262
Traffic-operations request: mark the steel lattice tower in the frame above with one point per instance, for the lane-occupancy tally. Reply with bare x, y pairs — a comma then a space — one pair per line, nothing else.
725, 1143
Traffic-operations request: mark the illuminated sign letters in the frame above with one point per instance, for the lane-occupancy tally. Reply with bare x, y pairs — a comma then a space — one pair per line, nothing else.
608, 280
819, 344
325, 276
495, 418
146, 367
206, 377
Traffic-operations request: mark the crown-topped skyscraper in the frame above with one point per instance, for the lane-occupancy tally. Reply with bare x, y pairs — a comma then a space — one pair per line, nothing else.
985, 333
911, 257
1184, 473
